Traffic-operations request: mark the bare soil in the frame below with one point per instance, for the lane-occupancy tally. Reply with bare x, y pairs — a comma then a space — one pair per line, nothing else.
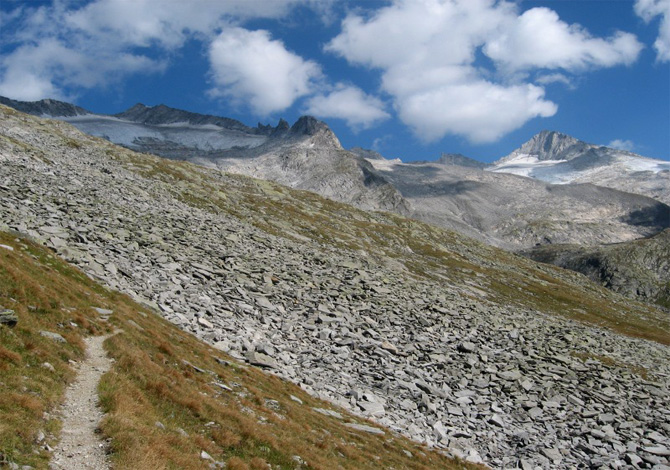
80, 446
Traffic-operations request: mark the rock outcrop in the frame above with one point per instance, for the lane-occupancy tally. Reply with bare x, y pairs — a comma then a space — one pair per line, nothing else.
639, 269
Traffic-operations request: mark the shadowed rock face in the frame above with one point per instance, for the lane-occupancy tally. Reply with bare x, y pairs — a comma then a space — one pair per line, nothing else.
161, 114
639, 269
453, 192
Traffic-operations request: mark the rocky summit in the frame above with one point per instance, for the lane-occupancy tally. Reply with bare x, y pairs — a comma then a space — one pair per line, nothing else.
467, 348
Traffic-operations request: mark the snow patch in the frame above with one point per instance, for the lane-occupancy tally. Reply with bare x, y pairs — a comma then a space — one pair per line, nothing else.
206, 137
561, 172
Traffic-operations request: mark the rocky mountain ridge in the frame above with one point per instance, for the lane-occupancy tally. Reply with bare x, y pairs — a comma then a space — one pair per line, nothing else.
460, 345
639, 269
560, 159
550, 145
454, 192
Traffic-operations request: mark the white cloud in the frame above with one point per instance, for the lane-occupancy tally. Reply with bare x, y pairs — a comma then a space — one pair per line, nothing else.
66, 47
249, 65
650, 9
546, 79
349, 103
36, 71
478, 109
427, 49
620, 144
539, 39
168, 23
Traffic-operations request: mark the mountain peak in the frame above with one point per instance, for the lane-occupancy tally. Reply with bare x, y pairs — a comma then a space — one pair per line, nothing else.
552, 145
308, 125
317, 131
549, 146
45, 107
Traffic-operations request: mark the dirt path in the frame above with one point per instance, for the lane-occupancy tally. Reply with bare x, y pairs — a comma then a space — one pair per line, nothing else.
80, 447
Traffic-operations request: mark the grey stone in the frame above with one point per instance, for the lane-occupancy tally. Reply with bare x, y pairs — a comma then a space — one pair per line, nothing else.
8, 318
365, 428
53, 336
497, 420
657, 450
467, 347
552, 454
262, 360
327, 412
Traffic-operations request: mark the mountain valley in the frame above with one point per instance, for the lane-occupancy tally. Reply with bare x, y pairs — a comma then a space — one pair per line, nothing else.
475, 351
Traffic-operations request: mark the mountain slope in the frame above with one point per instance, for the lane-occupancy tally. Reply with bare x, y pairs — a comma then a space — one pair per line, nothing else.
453, 192
639, 269
451, 342
168, 396
557, 158
513, 212
47, 108
306, 155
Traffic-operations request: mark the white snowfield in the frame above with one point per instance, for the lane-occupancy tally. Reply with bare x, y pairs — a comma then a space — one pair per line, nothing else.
561, 172
206, 137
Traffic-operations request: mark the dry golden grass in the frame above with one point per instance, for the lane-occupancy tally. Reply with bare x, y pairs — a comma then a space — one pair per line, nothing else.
162, 412
34, 370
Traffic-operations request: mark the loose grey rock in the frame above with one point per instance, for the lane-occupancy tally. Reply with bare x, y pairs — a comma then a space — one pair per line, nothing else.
467, 347
657, 450
8, 318
365, 428
349, 326
262, 360
54, 336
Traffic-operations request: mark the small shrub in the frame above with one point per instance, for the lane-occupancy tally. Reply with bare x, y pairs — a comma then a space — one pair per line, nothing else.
226, 438
10, 356
258, 463
236, 463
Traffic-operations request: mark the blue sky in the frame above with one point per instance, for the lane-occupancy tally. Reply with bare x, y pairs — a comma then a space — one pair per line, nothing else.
408, 78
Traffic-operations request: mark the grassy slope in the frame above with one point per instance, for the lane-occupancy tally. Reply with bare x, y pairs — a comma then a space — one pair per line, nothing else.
164, 375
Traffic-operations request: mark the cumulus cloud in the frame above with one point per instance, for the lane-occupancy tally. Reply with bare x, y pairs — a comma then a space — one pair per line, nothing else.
40, 70
620, 144
539, 39
67, 46
250, 66
426, 51
350, 103
148, 22
650, 9
481, 110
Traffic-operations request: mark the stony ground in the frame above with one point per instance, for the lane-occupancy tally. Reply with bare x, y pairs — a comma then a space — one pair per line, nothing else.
505, 385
